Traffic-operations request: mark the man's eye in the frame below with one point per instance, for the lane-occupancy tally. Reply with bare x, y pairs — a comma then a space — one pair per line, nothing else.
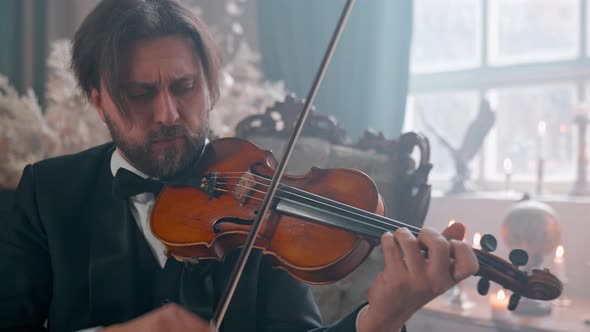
183, 87
138, 94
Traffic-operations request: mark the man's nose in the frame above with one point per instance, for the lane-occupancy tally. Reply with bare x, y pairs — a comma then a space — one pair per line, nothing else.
165, 108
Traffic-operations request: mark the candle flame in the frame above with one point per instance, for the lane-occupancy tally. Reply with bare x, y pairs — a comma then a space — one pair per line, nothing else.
451, 222
476, 239
541, 128
563, 128
501, 294
493, 100
560, 251
507, 165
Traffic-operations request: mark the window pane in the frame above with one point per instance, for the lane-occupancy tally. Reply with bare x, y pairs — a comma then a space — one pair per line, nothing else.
533, 30
519, 112
448, 114
446, 35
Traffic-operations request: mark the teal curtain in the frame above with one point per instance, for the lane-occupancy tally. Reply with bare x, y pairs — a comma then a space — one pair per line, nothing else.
367, 81
11, 41
13, 38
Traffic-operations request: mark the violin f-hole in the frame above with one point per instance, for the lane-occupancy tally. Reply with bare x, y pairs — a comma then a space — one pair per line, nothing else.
231, 223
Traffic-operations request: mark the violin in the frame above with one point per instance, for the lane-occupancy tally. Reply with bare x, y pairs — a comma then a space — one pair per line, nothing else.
320, 227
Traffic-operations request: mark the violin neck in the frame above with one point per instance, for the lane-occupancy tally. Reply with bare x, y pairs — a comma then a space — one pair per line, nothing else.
325, 211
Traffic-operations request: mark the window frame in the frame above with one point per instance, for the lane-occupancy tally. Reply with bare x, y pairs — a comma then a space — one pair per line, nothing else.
487, 77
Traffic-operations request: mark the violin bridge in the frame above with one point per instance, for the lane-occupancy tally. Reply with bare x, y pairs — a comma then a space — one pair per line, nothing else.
209, 184
244, 188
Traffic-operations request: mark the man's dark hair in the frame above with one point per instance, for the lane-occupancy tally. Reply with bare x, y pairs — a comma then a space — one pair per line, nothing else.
114, 24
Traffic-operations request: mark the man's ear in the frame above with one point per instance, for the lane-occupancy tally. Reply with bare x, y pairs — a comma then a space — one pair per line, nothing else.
96, 101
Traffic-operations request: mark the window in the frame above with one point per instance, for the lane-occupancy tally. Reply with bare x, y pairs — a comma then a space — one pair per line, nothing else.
448, 114
520, 111
523, 31
443, 44
527, 57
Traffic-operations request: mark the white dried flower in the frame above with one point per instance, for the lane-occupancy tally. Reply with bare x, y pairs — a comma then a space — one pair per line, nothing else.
68, 111
24, 135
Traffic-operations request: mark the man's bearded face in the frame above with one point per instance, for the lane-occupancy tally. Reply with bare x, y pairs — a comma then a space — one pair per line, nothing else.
166, 96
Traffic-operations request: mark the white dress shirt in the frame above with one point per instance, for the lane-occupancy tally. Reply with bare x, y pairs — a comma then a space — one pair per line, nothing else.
141, 207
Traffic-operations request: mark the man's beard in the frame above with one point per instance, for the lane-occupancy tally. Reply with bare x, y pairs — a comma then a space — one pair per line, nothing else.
172, 160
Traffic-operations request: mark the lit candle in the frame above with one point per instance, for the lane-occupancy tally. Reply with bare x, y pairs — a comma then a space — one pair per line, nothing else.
563, 151
559, 254
559, 262
476, 240
499, 301
493, 100
581, 110
507, 166
507, 173
541, 131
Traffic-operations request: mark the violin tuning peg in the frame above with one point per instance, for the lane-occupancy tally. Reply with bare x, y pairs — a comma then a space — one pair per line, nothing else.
519, 257
488, 243
513, 302
483, 286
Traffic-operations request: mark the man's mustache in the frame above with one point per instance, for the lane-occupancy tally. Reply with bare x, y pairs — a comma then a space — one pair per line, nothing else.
169, 131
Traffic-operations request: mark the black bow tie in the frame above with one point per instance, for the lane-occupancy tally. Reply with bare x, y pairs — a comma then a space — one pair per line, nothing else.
127, 184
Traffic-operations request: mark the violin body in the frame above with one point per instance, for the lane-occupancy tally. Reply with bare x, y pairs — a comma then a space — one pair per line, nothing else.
212, 215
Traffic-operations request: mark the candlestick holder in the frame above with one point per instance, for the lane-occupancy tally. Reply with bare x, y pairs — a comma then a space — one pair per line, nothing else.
541, 132
540, 176
507, 183
559, 270
581, 186
563, 301
507, 174
458, 299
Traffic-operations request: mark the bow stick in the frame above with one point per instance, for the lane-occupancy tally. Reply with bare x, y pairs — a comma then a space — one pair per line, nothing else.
228, 293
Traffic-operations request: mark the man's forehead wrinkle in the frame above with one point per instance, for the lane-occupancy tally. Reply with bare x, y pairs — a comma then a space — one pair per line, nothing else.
169, 80
159, 72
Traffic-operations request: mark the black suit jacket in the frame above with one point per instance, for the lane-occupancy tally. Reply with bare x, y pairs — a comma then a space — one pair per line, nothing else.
65, 258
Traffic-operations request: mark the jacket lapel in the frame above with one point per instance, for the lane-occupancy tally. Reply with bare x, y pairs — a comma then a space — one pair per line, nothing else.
111, 266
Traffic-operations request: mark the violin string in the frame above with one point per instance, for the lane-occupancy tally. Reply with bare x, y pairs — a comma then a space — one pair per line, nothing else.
367, 214
480, 256
482, 259
263, 192
304, 198
259, 199
363, 223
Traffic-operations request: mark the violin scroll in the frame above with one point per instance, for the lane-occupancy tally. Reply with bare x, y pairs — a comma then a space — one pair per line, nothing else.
543, 285
538, 285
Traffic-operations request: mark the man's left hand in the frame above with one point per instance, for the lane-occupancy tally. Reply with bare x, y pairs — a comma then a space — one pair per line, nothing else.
412, 278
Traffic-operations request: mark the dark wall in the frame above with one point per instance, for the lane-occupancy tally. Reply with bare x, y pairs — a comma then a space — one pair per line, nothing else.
23, 25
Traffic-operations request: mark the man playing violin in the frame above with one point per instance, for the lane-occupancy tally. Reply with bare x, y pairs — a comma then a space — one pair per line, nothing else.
77, 254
